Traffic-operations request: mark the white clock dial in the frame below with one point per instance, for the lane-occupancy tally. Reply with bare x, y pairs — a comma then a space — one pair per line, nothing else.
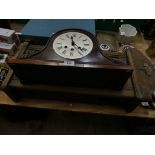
72, 45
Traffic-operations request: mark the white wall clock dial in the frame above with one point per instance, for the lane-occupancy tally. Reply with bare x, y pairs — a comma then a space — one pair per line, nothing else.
73, 43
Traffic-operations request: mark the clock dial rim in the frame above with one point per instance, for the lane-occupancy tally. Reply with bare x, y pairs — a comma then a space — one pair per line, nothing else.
88, 34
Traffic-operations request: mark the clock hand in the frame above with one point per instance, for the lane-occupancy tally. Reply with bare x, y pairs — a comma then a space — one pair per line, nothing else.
73, 44
78, 50
78, 47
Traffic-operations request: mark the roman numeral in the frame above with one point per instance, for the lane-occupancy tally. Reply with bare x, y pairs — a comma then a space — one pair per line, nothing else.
84, 49
64, 52
59, 48
67, 36
71, 54
86, 44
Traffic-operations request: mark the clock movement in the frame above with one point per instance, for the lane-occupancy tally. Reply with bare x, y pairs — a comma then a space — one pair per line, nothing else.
71, 57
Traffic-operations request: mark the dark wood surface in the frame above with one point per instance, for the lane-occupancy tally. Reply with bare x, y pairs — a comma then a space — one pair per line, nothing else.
94, 70
126, 97
79, 106
143, 75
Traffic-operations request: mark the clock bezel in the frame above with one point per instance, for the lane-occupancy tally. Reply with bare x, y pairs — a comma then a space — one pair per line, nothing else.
90, 35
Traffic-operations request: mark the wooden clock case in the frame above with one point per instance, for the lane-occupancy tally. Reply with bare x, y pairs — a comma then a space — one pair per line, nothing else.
46, 67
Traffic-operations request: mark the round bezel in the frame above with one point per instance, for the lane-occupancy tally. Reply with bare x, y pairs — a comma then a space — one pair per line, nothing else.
73, 43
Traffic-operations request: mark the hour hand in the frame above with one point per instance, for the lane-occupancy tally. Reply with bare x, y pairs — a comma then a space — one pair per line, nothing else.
72, 43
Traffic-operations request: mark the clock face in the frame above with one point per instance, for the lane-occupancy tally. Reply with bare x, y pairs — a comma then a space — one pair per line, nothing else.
73, 44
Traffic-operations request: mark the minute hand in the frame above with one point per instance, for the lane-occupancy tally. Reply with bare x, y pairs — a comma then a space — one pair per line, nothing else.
77, 48
73, 44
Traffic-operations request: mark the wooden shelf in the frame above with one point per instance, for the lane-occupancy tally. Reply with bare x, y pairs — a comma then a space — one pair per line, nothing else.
78, 107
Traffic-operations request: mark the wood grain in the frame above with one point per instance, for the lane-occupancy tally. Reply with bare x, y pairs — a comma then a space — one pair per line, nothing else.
78, 107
